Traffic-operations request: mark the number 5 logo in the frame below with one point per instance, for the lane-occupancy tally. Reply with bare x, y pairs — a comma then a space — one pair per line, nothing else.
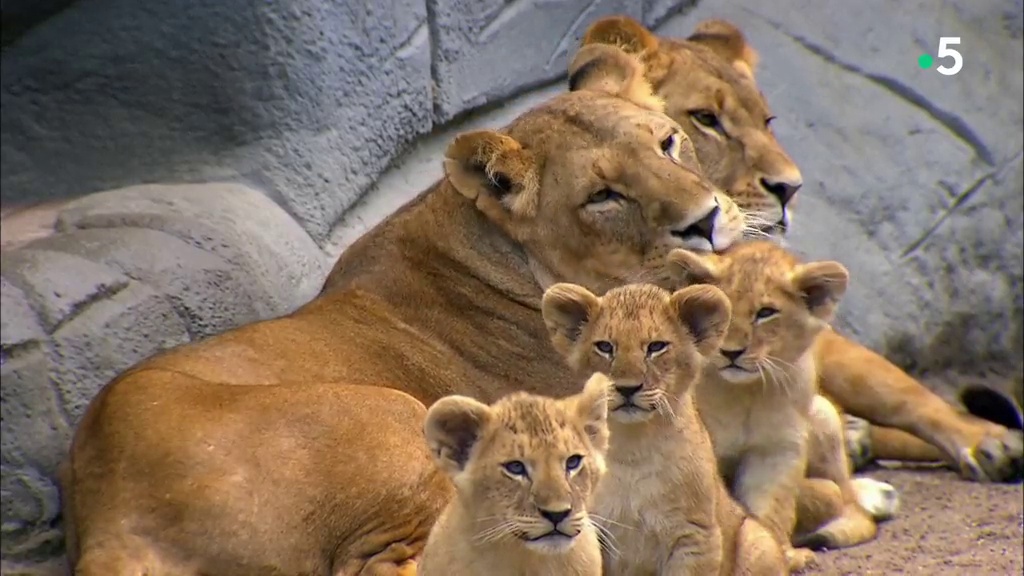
945, 51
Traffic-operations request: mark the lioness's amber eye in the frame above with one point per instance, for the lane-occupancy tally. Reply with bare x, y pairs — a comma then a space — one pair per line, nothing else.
604, 347
515, 468
765, 313
655, 347
706, 118
573, 462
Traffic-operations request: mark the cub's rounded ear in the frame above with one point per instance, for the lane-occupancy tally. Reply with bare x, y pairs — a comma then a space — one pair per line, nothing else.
567, 308
705, 311
591, 407
822, 285
726, 40
608, 69
452, 427
496, 171
686, 267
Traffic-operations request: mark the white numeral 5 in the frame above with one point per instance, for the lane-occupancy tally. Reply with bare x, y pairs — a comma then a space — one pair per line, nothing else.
945, 50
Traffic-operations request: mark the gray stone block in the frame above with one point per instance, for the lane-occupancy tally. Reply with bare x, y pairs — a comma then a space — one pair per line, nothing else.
911, 178
309, 99
485, 50
279, 264
19, 325
210, 294
58, 286
107, 338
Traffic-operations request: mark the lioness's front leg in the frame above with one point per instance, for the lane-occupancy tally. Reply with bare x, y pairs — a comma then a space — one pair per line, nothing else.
865, 384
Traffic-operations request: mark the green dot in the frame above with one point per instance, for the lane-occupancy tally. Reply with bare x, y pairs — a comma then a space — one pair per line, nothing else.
925, 61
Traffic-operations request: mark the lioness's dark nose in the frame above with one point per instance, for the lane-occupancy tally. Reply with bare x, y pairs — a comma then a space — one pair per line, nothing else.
555, 516
784, 191
705, 227
627, 392
732, 355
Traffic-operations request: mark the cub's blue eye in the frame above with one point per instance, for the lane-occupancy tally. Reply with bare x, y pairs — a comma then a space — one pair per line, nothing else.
515, 468
656, 346
765, 313
572, 463
604, 347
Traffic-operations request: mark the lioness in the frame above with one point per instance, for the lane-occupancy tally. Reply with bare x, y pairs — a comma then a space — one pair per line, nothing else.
707, 82
524, 470
759, 392
442, 297
666, 508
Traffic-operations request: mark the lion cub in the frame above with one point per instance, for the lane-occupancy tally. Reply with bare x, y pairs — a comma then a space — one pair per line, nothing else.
666, 508
760, 389
524, 469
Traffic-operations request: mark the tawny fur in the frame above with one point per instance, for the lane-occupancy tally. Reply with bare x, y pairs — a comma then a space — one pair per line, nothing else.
662, 502
442, 297
711, 76
494, 524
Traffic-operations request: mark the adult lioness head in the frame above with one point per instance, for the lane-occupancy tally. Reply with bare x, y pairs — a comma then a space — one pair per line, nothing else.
596, 183
651, 342
707, 83
779, 305
524, 468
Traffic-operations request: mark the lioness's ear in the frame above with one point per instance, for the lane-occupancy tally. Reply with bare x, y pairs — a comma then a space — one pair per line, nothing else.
566, 309
691, 268
822, 285
726, 40
591, 406
606, 68
633, 38
452, 427
621, 31
705, 311
496, 171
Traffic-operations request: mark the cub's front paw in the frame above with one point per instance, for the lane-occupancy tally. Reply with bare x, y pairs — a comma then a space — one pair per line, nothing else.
857, 434
998, 457
800, 559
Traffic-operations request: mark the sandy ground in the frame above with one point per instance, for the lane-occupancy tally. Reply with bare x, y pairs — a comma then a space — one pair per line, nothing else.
945, 526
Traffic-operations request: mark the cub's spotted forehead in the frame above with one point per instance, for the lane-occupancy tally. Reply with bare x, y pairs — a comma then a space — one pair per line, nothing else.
760, 264
634, 302
533, 417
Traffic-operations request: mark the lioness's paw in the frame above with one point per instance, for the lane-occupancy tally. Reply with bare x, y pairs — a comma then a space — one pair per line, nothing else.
799, 559
877, 498
995, 459
857, 433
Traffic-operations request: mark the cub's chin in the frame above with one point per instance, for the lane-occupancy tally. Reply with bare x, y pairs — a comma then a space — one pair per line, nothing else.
735, 375
630, 414
551, 543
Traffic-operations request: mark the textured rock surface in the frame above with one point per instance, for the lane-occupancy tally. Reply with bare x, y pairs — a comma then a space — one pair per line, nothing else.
488, 49
309, 100
132, 272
